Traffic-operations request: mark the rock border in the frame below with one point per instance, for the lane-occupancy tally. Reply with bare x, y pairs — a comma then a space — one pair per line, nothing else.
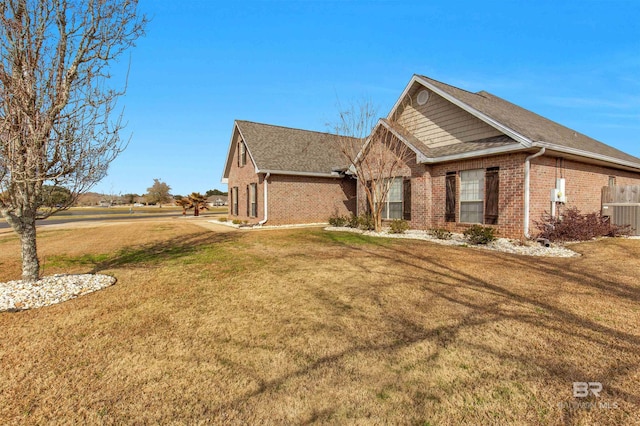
22, 295
505, 245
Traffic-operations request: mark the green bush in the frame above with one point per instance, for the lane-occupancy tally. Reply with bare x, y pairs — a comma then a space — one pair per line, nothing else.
399, 226
479, 234
338, 221
354, 221
236, 221
366, 223
222, 219
440, 233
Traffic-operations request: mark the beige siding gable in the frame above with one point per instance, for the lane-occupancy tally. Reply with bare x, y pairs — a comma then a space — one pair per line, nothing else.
440, 123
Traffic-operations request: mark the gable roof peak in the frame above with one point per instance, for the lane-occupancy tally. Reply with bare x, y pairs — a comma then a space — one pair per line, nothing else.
285, 128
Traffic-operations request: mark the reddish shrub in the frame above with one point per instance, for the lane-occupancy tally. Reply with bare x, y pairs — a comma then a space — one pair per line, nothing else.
575, 226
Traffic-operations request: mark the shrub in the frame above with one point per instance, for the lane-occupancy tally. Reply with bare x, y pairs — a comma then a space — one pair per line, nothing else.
440, 233
399, 226
366, 223
338, 221
479, 234
354, 221
575, 226
222, 219
236, 221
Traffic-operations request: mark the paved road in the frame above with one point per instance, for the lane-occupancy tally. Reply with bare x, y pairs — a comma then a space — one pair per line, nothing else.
102, 218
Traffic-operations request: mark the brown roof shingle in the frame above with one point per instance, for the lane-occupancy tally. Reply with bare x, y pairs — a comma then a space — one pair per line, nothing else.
276, 148
529, 124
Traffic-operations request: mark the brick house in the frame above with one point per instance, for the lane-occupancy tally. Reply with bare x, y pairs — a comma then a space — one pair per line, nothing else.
278, 175
473, 158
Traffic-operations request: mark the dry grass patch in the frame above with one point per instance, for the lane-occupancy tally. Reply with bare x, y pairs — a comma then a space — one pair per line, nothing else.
296, 326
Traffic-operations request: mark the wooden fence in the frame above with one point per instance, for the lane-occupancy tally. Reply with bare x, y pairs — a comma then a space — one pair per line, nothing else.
621, 194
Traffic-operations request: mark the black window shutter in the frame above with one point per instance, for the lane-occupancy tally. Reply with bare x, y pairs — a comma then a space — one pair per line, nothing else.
492, 187
406, 199
450, 203
248, 201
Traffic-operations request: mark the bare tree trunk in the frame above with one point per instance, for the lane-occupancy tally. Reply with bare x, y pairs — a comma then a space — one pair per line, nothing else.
30, 263
25, 227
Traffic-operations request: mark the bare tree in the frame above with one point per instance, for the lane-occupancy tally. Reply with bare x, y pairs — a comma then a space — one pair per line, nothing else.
56, 111
158, 193
373, 151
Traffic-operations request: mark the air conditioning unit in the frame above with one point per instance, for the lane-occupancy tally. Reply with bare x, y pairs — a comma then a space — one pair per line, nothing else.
622, 214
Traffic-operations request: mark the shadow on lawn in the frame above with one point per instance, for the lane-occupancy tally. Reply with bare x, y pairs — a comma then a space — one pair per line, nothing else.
147, 254
486, 303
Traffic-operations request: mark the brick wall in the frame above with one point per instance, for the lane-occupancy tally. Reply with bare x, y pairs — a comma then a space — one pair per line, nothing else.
292, 199
300, 199
583, 183
242, 177
296, 199
510, 195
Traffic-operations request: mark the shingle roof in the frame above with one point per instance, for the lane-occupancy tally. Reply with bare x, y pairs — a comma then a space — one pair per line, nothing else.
454, 149
275, 148
529, 124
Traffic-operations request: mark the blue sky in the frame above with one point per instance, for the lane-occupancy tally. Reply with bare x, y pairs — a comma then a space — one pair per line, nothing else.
205, 63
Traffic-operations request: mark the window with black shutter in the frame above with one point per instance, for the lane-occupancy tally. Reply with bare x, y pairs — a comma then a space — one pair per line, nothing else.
492, 186
242, 154
234, 201
450, 203
248, 201
406, 199
253, 196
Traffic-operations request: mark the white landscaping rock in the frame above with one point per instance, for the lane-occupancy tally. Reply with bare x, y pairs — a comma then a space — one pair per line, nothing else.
528, 248
20, 295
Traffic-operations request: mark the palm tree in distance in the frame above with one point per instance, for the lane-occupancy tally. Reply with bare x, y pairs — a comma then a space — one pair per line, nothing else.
195, 201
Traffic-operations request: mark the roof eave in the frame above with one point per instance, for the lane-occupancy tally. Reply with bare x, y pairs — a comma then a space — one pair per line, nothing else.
297, 173
616, 162
473, 154
419, 154
227, 165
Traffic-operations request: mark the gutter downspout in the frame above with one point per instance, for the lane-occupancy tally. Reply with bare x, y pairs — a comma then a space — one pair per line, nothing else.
266, 209
527, 178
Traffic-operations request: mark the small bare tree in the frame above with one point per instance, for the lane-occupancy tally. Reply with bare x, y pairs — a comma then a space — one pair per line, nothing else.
373, 152
56, 112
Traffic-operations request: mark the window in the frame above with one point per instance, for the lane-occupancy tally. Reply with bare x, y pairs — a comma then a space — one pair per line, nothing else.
234, 201
253, 197
242, 154
612, 181
471, 196
392, 208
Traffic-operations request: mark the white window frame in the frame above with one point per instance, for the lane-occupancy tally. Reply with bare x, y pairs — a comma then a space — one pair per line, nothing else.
395, 198
472, 196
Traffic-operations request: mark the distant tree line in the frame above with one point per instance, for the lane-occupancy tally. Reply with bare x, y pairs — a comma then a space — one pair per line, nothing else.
157, 194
